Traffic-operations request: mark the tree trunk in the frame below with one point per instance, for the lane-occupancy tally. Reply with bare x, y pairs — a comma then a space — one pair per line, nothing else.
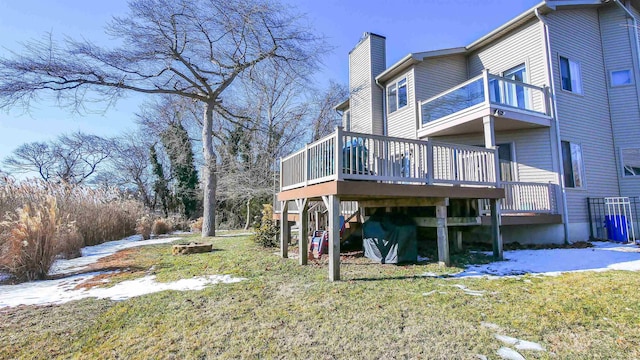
208, 174
246, 224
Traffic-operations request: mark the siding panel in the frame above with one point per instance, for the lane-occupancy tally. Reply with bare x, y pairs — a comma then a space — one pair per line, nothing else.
366, 61
436, 75
532, 152
584, 119
360, 88
618, 42
402, 122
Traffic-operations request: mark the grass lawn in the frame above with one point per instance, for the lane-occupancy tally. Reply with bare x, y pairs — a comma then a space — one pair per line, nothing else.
284, 310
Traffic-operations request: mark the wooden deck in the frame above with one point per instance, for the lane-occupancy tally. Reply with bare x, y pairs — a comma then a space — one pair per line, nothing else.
374, 194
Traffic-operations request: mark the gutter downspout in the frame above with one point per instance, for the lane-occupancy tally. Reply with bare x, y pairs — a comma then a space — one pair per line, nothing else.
565, 210
384, 108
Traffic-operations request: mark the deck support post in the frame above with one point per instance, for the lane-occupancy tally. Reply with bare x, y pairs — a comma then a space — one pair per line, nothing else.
334, 236
303, 230
284, 230
489, 132
443, 236
496, 236
458, 240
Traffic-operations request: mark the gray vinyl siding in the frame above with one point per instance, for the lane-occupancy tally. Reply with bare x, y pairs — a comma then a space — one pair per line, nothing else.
618, 46
378, 65
436, 75
532, 152
402, 122
584, 118
366, 61
360, 87
524, 45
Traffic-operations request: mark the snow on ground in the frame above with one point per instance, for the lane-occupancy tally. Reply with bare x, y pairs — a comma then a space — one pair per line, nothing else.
91, 254
67, 289
63, 290
602, 257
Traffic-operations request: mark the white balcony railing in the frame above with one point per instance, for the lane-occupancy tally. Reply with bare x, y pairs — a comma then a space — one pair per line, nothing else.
355, 156
485, 90
525, 198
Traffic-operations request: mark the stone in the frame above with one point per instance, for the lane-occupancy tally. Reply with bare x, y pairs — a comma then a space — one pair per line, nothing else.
191, 248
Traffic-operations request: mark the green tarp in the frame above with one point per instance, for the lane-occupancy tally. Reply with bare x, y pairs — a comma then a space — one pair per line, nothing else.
390, 239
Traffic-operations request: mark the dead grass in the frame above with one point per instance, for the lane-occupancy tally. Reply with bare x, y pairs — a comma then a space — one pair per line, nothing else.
42, 220
287, 311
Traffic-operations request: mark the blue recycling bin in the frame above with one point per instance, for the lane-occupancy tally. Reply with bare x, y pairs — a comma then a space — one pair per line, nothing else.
616, 227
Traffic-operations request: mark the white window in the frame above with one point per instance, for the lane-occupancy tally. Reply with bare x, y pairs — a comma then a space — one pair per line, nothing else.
397, 96
621, 77
570, 75
631, 161
516, 95
572, 164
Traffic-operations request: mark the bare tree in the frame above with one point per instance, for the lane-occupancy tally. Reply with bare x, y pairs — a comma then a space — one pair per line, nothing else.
71, 158
32, 157
130, 164
189, 48
326, 118
276, 117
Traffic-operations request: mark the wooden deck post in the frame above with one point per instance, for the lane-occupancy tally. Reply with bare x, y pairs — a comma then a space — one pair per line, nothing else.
334, 237
443, 236
303, 235
495, 229
284, 230
458, 240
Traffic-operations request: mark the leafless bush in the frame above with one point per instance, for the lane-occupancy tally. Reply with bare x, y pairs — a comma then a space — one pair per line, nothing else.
143, 227
160, 227
196, 225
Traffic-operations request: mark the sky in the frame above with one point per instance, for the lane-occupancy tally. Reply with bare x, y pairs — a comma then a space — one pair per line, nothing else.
409, 26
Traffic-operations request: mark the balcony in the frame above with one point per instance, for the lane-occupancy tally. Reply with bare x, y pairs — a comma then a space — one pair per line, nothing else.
355, 156
514, 105
381, 159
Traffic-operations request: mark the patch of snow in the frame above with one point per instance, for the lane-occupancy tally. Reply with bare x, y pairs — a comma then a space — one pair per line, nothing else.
64, 290
509, 354
489, 325
429, 293
4, 276
91, 254
551, 262
481, 357
430, 274
236, 234
520, 344
469, 291
422, 258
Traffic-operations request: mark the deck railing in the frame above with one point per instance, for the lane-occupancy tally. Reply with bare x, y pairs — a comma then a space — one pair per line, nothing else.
485, 90
523, 197
354, 156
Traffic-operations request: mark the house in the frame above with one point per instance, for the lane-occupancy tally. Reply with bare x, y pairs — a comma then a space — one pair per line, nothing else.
545, 108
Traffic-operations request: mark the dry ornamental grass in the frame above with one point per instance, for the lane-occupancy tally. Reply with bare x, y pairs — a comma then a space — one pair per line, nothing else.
42, 220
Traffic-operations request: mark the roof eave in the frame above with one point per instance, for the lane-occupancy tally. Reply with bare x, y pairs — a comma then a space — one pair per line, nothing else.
342, 106
544, 7
402, 64
413, 59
